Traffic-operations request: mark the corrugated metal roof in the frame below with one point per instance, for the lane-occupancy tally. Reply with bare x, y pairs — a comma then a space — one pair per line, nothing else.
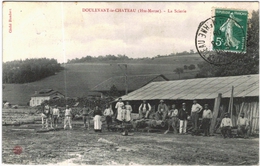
200, 88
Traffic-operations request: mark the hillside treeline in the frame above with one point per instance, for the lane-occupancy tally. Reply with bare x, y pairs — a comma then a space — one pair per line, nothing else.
99, 58
29, 70
120, 57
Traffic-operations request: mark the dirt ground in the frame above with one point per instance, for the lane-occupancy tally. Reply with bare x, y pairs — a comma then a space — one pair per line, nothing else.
80, 146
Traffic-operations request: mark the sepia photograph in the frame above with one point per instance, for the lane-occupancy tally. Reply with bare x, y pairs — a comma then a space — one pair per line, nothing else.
130, 83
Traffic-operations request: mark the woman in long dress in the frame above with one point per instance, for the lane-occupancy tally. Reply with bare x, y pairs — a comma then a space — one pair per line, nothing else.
128, 112
97, 119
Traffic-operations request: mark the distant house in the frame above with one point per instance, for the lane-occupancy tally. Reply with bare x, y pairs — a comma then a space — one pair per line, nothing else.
44, 94
134, 82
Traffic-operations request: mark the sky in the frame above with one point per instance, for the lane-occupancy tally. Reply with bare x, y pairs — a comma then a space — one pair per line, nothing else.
61, 30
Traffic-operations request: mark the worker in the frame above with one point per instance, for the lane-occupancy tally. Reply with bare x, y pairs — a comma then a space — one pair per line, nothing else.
46, 116
183, 118
85, 116
225, 126
56, 115
108, 113
195, 110
206, 119
68, 117
144, 110
172, 119
243, 125
161, 111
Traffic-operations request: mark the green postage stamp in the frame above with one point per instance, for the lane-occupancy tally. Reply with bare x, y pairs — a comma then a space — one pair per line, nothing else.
230, 30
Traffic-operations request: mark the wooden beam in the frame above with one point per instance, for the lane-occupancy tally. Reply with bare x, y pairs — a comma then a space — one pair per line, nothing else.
215, 113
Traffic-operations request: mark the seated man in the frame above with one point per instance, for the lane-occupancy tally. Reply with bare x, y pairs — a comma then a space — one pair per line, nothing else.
161, 111
172, 119
226, 125
144, 110
243, 125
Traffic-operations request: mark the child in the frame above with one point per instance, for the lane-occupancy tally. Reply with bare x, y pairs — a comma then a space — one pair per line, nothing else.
121, 114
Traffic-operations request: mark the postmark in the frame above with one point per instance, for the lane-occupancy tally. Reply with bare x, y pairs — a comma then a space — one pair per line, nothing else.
220, 38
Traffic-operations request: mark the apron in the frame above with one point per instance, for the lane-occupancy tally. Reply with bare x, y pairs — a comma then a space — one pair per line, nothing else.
97, 122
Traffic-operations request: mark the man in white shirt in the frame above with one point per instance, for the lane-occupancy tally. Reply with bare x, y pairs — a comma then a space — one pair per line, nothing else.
243, 125
225, 126
108, 113
144, 110
206, 118
195, 110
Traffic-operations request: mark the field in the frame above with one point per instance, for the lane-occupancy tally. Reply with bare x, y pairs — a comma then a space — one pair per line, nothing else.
24, 145
77, 79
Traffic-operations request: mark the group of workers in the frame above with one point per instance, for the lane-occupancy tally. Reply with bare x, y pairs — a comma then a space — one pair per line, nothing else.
175, 118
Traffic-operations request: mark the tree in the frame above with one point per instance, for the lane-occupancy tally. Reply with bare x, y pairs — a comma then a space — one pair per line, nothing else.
178, 71
244, 64
113, 91
185, 67
191, 67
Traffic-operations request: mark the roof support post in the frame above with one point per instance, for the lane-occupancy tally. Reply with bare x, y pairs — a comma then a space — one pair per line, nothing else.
215, 113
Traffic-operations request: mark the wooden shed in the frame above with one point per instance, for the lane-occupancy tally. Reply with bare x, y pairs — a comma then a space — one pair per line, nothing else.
215, 91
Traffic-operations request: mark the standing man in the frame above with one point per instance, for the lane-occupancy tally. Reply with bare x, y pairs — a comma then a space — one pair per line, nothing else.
46, 116
56, 115
144, 110
195, 110
225, 126
161, 111
68, 116
183, 115
243, 125
173, 120
206, 118
108, 113
85, 116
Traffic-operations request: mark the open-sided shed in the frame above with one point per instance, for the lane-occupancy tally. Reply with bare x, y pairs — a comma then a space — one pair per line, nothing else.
215, 91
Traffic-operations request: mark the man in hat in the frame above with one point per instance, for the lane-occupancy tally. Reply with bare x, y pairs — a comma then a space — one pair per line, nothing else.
243, 125
144, 110
85, 116
183, 116
225, 126
56, 115
161, 111
195, 110
206, 118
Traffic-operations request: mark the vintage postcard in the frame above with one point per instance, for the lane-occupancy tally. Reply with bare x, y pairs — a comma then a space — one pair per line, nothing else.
130, 83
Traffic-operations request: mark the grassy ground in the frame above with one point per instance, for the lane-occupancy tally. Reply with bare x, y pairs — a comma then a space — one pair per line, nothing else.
77, 79
27, 144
